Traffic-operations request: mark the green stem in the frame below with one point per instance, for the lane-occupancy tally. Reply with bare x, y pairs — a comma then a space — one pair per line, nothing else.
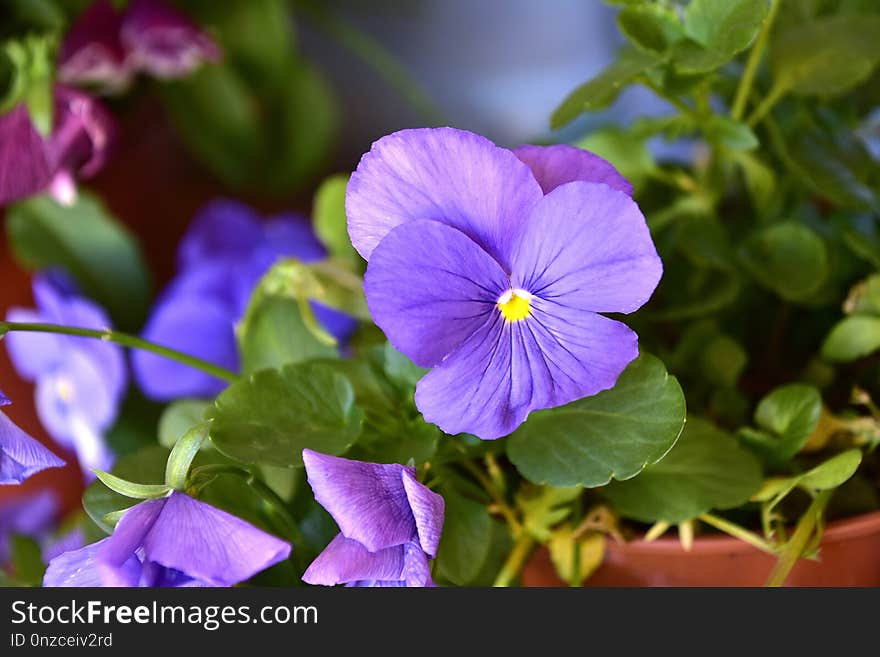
748, 78
496, 496
795, 547
124, 339
777, 91
515, 560
736, 531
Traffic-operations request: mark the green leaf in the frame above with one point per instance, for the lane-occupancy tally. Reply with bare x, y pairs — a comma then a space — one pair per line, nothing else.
828, 56
626, 151
91, 245
723, 360
147, 465
787, 416
26, 558
465, 544
603, 89
833, 472
543, 508
759, 178
130, 488
401, 369
271, 416
331, 223
864, 297
182, 455
179, 417
725, 27
735, 135
707, 469
613, 434
273, 334
652, 28
788, 258
852, 338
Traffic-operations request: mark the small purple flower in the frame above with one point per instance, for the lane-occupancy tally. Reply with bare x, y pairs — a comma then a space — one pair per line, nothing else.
389, 523
77, 148
20, 455
33, 515
92, 52
170, 542
80, 381
107, 49
491, 267
220, 260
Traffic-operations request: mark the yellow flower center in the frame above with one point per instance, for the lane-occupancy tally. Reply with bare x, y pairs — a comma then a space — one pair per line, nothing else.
515, 305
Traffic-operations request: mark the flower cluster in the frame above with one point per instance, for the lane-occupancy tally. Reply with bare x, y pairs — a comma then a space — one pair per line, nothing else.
107, 49
491, 267
226, 251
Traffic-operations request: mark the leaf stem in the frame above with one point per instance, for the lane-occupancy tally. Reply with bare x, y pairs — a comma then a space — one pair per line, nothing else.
777, 91
795, 547
736, 531
497, 497
748, 78
124, 339
515, 560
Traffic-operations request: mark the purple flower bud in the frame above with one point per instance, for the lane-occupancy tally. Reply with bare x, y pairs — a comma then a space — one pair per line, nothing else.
163, 42
170, 542
389, 523
92, 53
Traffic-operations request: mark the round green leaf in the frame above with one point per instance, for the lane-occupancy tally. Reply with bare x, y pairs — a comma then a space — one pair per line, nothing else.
707, 469
466, 539
787, 417
178, 418
852, 338
788, 258
273, 415
613, 434
833, 472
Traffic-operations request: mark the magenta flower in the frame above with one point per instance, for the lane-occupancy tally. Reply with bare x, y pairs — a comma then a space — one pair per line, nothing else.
80, 382
21, 455
169, 542
491, 267
107, 49
389, 523
77, 148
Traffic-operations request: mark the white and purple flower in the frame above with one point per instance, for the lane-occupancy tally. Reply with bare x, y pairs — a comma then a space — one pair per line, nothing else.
80, 382
171, 542
491, 267
390, 524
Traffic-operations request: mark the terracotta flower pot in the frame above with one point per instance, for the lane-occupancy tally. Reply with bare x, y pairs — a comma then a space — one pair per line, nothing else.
849, 556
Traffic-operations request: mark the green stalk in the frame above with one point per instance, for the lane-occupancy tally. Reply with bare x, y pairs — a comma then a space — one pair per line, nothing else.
736, 531
748, 78
795, 547
515, 560
124, 339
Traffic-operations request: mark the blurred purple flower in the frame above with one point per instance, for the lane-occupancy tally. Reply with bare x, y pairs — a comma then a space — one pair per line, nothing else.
389, 523
169, 542
226, 251
80, 381
32, 515
107, 49
20, 455
77, 148
491, 266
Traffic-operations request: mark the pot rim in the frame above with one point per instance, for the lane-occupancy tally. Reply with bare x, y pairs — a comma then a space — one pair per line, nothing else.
835, 532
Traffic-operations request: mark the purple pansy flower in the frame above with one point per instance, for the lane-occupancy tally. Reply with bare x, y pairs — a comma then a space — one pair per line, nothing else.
491, 267
77, 148
221, 259
389, 523
80, 381
20, 455
107, 49
32, 515
172, 541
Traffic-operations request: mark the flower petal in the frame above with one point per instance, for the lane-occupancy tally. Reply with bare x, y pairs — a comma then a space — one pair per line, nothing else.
4, 400
83, 133
428, 509
91, 53
20, 455
80, 568
345, 560
447, 175
416, 569
24, 163
587, 246
559, 164
208, 544
429, 287
367, 500
164, 42
115, 554
221, 229
31, 353
196, 325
